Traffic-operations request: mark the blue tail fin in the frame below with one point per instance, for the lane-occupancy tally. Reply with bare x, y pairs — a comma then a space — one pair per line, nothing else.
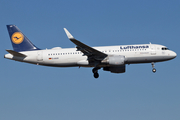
19, 41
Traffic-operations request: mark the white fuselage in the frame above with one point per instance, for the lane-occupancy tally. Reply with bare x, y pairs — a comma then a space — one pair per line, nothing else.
69, 57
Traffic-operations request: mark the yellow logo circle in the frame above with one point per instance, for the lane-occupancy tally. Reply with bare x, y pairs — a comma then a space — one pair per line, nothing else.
17, 37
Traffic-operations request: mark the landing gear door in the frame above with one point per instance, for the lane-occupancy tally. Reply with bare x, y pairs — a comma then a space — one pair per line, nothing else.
153, 50
40, 56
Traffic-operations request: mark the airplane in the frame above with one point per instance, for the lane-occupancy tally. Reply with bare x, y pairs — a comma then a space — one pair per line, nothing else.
110, 58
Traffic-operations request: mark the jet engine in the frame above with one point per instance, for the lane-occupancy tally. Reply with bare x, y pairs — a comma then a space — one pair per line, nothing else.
115, 60
116, 64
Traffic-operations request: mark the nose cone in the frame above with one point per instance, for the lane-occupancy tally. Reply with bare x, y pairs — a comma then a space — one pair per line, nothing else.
173, 54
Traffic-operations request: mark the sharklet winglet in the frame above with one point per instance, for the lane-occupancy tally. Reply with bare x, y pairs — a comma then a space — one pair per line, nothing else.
68, 34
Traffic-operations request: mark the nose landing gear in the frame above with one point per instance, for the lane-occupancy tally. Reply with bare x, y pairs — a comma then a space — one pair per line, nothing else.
153, 70
95, 71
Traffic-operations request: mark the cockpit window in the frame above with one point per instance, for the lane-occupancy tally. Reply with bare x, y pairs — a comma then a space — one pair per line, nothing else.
165, 48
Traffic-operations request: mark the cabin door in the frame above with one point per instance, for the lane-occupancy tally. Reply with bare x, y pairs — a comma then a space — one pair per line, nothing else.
40, 56
153, 50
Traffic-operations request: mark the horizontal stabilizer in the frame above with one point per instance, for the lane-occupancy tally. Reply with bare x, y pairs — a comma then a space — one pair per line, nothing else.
14, 53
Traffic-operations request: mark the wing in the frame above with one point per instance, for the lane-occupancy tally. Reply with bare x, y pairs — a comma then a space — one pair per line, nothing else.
88, 51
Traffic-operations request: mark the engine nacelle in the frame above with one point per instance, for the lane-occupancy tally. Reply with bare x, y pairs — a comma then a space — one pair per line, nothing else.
116, 60
115, 69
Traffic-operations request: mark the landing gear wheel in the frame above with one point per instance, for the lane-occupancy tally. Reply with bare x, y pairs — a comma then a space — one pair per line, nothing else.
96, 75
95, 71
154, 70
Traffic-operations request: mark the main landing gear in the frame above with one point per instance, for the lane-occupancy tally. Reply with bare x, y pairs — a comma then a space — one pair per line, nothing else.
153, 70
95, 71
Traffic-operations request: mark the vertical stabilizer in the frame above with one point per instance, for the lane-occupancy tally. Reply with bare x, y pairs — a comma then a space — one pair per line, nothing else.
19, 41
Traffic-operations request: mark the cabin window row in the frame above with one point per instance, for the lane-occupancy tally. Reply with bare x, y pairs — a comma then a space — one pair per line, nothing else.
71, 53
123, 50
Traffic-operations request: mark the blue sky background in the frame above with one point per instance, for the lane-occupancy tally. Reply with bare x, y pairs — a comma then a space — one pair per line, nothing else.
30, 92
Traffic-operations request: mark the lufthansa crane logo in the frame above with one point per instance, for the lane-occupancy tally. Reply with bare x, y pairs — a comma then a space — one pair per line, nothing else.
17, 37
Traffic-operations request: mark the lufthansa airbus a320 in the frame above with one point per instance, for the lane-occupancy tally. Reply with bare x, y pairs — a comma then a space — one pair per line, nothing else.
109, 58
